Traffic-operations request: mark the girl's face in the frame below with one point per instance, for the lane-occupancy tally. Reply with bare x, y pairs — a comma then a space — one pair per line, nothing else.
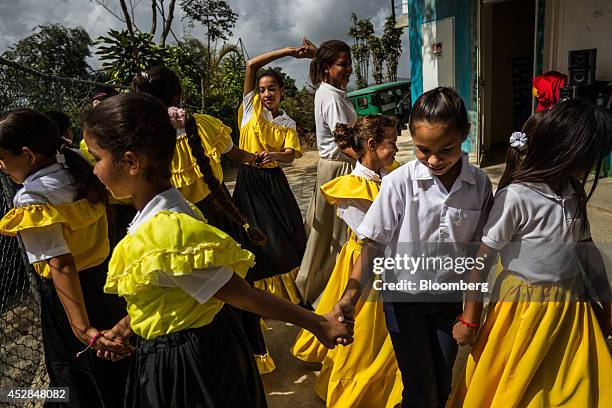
270, 93
339, 73
111, 173
18, 166
385, 151
437, 147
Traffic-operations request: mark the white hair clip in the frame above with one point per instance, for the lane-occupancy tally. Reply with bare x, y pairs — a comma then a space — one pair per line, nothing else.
145, 76
518, 140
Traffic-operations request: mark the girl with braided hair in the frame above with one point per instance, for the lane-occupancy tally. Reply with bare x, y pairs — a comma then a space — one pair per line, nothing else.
196, 166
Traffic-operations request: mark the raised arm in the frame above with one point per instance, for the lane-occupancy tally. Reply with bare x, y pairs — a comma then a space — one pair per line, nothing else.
306, 50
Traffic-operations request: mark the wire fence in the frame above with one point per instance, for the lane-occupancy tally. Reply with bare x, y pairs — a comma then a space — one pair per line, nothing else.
21, 349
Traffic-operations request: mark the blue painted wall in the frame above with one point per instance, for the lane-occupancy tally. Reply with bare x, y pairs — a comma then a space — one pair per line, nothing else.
425, 11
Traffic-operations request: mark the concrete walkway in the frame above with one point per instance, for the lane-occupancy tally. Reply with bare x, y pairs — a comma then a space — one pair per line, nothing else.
291, 384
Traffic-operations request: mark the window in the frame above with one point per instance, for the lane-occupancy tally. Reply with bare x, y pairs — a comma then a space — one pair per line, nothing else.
363, 102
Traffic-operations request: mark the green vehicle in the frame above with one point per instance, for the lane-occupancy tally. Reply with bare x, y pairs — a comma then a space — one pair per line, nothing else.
392, 98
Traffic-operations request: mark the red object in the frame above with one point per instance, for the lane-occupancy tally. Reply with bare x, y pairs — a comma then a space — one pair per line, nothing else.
546, 89
463, 322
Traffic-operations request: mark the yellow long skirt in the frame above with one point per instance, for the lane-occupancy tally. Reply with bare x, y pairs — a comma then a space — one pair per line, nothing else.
537, 348
364, 374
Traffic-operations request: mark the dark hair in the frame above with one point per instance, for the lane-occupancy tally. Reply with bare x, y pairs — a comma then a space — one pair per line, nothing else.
365, 128
28, 128
160, 82
515, 156
103, 93
164, 84
327, 54
440, 105
61, 120
271, 72
135, 122
574, 136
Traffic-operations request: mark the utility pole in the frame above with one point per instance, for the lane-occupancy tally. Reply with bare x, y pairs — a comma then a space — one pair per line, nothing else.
393, 9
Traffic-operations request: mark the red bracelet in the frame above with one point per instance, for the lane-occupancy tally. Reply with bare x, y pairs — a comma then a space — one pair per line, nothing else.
463, 322
92, 341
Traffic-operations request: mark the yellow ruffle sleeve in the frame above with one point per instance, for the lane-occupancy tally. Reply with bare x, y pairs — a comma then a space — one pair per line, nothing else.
350, 187
185, 173
84, 225
259, 134
176, 244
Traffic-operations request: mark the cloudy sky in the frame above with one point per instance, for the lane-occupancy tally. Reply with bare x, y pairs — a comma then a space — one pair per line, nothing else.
262, 25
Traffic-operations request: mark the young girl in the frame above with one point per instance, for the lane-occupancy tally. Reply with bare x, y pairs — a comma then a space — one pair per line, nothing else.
60, 215
540, 344
176, 271
330, 70
199, 132
366, 373
436, 202
262, 191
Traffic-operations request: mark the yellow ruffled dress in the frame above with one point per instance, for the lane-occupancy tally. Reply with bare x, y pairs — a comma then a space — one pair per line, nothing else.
538, 347
364, 374
84, 225
185, 173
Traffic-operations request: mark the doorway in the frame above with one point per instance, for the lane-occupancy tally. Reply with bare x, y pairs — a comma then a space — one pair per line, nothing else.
507, 30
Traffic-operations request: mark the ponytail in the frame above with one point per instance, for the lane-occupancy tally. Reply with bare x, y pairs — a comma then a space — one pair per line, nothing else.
222, 201
88, 185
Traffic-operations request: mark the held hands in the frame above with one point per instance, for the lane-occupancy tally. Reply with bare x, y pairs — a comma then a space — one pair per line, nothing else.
464, 335
334, 332
344, 311
263, 158
306, 50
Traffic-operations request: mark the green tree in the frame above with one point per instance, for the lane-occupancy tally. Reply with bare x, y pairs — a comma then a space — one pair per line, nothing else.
54, 49
123, 55
378, 52
361, 30
392, 44
300, 107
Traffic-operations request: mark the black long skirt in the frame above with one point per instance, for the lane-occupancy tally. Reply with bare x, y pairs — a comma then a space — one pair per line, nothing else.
92, 381
211, 366
265, 199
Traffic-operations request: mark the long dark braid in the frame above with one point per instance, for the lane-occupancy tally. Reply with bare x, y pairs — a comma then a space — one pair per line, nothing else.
223, 202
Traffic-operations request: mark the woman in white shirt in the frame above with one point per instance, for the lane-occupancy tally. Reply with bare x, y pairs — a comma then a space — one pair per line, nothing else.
330, 70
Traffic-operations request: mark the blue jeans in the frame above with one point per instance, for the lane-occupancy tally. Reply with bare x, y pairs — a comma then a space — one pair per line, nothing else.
422, 338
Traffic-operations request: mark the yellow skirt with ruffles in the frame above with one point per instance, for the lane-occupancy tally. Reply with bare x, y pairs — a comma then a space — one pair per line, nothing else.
537, 348
281, 285
364, 374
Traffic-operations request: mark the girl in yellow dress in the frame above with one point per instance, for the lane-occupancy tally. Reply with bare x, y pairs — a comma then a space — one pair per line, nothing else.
176, 272
541, 344
364, 374
60, 215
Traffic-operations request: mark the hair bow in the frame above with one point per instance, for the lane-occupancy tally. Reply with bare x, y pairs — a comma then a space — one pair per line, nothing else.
518, 140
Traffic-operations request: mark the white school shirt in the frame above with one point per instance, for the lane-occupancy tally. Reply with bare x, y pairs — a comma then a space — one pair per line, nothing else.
247, 112
535, 229
414, 207
201, 284
332, 106
352, 211
50, 185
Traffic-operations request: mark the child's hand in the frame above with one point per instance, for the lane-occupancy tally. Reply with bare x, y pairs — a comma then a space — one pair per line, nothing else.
344, 310
265, 158
334, 332
463, 335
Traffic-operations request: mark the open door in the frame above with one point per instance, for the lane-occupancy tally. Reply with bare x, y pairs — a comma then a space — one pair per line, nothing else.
505, 71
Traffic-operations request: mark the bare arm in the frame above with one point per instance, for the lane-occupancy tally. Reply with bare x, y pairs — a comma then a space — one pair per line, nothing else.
254, 64
237, 292
286, 156
68, 287
241, 156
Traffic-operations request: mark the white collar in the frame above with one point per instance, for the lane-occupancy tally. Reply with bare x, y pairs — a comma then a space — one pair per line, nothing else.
545, 190
422, 172
332, 88
45, 171
365, 172
165, 200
